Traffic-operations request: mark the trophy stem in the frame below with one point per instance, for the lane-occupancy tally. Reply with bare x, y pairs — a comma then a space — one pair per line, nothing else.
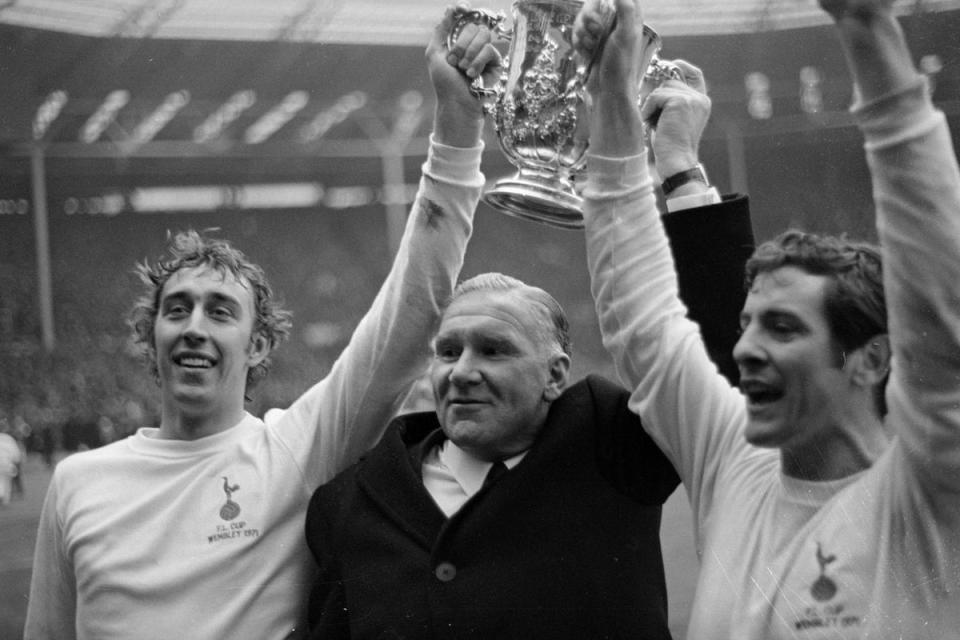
539, 196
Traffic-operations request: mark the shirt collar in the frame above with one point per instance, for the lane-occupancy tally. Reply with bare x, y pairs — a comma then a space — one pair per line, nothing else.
468, 470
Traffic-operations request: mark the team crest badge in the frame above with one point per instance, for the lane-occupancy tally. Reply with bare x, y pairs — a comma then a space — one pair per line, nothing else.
231, 509
823, 588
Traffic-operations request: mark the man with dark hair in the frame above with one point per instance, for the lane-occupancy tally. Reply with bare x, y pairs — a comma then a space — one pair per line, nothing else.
525, 505
194, 529
818, 512
854, 304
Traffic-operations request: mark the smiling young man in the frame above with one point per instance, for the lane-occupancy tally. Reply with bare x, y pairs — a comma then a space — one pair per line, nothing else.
814, 354
205, 343
822, 507
194, 529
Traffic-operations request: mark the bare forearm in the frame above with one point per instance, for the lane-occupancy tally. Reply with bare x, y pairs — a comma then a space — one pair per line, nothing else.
458, 126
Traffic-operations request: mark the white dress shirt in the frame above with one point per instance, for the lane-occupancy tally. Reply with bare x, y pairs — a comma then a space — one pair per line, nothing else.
451, 475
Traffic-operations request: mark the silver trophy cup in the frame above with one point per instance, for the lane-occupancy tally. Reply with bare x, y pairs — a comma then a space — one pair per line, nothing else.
538, 106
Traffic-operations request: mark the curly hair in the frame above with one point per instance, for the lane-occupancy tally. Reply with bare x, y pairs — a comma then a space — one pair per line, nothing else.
854, 300
554, 322
189, 249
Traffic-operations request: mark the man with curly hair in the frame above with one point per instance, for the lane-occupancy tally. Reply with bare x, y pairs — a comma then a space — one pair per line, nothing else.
191, 250
825, 488
194, 529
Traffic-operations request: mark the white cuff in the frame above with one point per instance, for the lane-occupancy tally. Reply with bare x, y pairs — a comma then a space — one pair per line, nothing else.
708, 197
454, 165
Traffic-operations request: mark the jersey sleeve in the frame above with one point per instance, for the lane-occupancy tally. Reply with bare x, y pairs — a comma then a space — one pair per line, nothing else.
689, 409
345, 414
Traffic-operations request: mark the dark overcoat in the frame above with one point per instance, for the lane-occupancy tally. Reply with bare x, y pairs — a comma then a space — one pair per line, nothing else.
565, 545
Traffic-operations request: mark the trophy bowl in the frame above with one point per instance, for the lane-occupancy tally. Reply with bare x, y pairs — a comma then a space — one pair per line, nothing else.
538, 106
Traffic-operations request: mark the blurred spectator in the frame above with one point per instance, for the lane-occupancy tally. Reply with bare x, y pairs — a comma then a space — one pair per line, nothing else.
21, 432
10, 458
81, 432
106, 431
48, 442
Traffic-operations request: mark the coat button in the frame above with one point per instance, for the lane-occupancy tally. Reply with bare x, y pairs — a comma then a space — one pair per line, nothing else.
445, 572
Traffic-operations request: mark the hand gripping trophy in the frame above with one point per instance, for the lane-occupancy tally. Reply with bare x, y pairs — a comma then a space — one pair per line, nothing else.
538, 106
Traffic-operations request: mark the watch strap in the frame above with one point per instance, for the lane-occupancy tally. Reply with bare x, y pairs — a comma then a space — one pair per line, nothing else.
696, 174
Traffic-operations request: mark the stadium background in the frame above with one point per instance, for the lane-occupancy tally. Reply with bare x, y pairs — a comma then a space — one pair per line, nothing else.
783, 136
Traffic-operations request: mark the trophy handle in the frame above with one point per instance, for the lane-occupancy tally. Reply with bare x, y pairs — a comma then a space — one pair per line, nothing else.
660, 71
657, 72
493, 21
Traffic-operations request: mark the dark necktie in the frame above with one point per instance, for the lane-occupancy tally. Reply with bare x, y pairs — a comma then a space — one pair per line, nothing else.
495, 473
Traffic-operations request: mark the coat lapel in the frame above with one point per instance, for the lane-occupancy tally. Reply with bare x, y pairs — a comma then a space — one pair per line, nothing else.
390, 476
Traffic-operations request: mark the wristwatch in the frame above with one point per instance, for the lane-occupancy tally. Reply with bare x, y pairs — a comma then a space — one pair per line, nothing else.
677, 180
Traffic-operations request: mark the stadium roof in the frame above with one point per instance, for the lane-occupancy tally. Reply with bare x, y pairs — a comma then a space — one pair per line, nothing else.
97, 80
394, 22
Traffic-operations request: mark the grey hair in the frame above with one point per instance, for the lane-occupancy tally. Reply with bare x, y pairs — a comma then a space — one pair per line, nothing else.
554, 323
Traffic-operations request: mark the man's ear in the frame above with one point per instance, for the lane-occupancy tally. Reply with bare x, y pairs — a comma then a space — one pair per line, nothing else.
258, 349
559, 370
873, 361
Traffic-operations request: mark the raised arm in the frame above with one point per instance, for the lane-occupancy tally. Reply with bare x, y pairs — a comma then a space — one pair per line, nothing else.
710, 237
346, 413
874, 45
660, 355
916, 186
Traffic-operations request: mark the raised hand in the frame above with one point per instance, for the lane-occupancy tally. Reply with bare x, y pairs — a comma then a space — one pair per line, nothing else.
615, 125
677, 113
459, 117
875, 47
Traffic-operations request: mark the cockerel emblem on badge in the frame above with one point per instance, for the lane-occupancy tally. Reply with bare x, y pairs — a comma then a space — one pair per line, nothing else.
823, 588
231, 509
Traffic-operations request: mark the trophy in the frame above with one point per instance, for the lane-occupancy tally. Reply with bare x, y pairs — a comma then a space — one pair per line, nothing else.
538, 106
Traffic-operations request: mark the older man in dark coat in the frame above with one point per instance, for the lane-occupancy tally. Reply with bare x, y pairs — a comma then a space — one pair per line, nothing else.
524, 506
564, 545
